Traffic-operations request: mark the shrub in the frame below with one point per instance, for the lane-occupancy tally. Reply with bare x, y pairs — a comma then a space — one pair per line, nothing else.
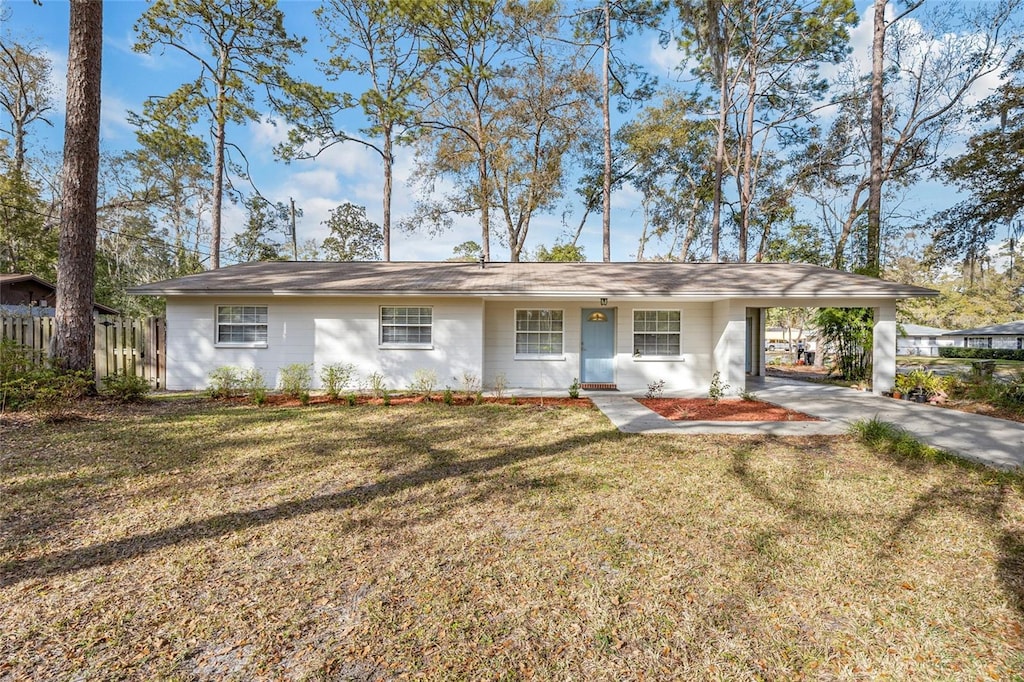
423, 382
386, 396
655, 389
470, 384
448, 398
500, 384
982, 353
718, 388
296, 379
254, 385
351, 399
377, 385
336, 378
17, 360
224, 382
847, 333
126, 387
574, 388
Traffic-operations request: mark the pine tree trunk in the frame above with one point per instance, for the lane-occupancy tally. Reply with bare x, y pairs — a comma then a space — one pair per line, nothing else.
606, 217
74, 339
218, 184
874, 236
389, 161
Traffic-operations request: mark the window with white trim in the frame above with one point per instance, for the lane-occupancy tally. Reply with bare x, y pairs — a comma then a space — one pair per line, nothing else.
406, 325
539, 332
657, 333
242, 325
979, 341
1020, 343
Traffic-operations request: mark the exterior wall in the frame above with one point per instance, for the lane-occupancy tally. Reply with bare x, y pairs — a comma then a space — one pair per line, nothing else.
921, 345
690, 372
729, 336
322, 331
883, 367
998, 340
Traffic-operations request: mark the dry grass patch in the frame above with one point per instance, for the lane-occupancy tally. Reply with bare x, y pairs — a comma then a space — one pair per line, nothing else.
493, 542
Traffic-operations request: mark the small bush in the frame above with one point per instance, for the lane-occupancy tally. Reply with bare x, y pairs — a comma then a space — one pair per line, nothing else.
574, 388
296, 379
336, 378
50, 392
500, 385
982, 353
655, 389
254, 385
126, 387
224, 382
377, 384
304, 398
423, 382
448, 398
350, 399
386, 396
17, 360
469, 384
718, 388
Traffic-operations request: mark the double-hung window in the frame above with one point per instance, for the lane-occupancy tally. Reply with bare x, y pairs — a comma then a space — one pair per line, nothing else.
406, 326
657, 333
979, 341
539, 333
242, 325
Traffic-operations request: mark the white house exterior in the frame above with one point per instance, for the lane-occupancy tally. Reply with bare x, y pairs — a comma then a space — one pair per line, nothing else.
1009, 335
539, 325
916, 339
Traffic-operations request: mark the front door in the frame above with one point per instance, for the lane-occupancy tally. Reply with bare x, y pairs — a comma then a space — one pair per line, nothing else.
597, 346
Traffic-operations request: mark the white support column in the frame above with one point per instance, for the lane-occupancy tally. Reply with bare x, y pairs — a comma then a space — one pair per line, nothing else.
884, 348
729, 324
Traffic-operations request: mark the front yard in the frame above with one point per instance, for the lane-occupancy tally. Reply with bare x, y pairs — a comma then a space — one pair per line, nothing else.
190, 540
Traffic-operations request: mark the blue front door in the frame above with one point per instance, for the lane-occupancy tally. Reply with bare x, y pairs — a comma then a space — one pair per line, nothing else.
597, 347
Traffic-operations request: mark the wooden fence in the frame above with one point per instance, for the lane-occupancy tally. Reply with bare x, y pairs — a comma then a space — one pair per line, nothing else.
122, 344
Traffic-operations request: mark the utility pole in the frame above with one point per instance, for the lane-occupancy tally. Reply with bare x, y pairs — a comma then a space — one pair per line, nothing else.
295, 240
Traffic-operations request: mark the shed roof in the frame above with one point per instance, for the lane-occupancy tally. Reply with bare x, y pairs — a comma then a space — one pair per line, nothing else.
723, 280
8, 279
1010, 328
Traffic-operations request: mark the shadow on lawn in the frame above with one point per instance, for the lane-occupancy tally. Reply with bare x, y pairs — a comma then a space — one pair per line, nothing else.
440, 468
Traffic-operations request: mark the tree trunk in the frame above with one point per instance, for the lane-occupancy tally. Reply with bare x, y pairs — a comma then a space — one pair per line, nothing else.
389, 161
873, 265
606, 218
218, 184
74, 339
716, 208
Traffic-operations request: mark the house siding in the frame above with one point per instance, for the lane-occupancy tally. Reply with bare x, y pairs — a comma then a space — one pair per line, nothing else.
998, 340
321, 331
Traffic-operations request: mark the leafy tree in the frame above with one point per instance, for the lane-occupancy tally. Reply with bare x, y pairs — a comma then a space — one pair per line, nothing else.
27, 243
560, 253
352, 235
73, 337
846, 335
256, 242
468, 251
26, 94
239, 46
372, 39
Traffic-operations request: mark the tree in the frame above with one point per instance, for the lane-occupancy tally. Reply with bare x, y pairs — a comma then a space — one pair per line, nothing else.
247, 48
26, 244
372, 39
560, 253
25, 94
468, 251
264, 220
73, 337
603, 28
352, 235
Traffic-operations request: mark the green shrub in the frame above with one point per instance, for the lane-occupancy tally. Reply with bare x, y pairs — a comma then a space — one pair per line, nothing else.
377, 385
386, 396
224, 382
48, 391
718, 388
350, 399
574, 388
423, 382
18, 360
448, 398
655, 389
336, 378
982, 353
296, 379
126, 387
254, 385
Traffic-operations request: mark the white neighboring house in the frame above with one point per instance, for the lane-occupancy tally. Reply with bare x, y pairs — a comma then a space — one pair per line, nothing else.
1007, 335
915, 339
540, 325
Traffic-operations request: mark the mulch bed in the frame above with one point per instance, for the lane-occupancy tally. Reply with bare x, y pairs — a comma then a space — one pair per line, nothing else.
703, 409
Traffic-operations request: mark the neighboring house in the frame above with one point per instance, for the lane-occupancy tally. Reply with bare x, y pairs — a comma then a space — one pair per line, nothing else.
30, 295
540, 325
1008, 335
915, 339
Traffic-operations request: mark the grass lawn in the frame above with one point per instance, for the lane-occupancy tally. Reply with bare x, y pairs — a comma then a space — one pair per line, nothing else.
1003, 367
186, 540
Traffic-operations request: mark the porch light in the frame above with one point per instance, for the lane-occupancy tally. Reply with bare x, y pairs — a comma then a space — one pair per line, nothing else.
604, 301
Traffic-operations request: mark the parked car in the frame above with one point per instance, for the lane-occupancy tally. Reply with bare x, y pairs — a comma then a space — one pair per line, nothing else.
778, 345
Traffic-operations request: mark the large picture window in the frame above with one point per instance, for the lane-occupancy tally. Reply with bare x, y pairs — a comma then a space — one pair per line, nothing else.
656, 333
539, 332
979, 341
242, 325
406, 325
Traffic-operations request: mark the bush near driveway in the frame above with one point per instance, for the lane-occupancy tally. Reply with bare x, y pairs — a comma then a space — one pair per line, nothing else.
492, 542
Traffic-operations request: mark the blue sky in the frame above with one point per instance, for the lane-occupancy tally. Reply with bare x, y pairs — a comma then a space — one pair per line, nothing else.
346, 172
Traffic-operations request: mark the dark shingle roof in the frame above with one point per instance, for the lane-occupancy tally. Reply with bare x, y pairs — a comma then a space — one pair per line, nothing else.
1012, 328
531, 279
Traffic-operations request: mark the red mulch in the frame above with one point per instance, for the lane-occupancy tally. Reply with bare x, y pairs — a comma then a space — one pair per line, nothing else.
703, 409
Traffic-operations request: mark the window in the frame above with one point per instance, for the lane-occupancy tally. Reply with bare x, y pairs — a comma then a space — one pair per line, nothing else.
656, 333
539, 332
242, 325
1020, 343
406, 326
979, 341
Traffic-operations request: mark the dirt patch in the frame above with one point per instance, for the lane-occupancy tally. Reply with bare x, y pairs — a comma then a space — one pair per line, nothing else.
703, 409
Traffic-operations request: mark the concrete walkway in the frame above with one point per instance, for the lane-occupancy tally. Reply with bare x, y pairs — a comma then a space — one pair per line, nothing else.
995, 442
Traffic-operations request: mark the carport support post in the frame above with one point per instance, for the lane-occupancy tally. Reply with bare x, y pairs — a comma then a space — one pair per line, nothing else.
883, 358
